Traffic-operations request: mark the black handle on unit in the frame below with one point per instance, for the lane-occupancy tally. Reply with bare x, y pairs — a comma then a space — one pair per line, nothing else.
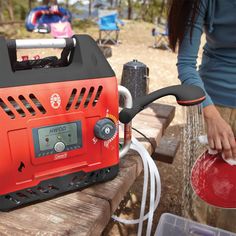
186, 95
50, 61
86, 62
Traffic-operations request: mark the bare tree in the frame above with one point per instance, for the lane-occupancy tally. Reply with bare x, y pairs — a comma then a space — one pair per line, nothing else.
51, 2
9, 8
130, 9
144, 8
30, 3
163, 4
111, 3
2, 18
90, 7
116, 3
67, 4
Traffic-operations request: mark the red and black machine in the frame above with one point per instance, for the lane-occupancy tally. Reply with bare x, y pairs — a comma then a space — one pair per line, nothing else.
58, 124
59, 120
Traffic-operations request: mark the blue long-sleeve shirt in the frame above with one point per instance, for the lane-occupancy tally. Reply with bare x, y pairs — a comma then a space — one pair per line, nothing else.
217, 72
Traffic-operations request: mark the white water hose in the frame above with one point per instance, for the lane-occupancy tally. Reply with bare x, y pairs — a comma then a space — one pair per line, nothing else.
149, 167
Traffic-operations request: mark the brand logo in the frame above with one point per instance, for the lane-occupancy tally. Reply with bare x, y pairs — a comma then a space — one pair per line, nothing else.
55, 101
57, 129
60, 156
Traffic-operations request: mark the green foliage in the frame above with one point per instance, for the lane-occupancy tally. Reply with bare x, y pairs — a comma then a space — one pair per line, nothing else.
20, 9
83, 24
149, 10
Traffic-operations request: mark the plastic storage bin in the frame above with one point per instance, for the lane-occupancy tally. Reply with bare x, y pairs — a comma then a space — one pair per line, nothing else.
172, 225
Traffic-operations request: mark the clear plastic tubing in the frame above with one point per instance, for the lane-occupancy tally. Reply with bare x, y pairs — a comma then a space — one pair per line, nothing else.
149, 167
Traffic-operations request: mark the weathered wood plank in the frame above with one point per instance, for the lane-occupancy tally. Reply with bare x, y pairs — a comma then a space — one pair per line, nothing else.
161, 111
166, 150
72, 214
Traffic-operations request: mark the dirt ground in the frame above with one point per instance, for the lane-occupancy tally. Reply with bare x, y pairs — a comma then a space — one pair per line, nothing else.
136, 42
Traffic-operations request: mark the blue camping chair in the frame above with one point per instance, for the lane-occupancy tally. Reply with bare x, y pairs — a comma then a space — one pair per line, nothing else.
160, 34
108, 24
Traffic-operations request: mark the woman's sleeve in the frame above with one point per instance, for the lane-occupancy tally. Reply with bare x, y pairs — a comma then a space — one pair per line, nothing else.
188, 53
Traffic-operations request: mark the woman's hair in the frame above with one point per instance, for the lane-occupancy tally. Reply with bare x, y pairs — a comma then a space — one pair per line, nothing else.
182, 14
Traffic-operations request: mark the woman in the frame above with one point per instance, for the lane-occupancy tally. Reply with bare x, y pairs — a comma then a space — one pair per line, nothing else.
217, 74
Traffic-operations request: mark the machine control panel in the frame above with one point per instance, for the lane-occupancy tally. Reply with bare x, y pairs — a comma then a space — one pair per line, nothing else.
58, 138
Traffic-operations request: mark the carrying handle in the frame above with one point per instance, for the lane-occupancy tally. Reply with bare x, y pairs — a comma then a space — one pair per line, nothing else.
186, 95
128, 102
41, 43
67, 44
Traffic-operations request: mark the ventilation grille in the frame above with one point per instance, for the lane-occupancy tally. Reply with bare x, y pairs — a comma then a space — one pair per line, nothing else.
22, 104
27, 194
74, 181
84, 97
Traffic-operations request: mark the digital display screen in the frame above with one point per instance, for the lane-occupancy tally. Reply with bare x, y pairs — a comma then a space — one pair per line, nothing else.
49, 136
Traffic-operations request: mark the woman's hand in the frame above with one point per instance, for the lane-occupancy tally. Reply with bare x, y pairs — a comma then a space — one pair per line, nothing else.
219, 133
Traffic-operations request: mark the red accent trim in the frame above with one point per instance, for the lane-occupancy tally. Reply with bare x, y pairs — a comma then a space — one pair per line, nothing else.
192, 101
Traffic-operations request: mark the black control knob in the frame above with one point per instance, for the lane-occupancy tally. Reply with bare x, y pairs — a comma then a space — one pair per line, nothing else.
105, 129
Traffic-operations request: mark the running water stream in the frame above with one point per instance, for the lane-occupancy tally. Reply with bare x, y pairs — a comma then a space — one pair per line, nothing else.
191, 149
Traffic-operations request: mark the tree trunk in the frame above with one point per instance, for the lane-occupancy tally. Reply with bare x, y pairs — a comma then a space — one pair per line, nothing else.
163, 3
46, 2
90, 8
10, 10
118, 7
130, 9
67, 4
144, 9
30, 4
116, 3
1, 11
51, 2
111, 3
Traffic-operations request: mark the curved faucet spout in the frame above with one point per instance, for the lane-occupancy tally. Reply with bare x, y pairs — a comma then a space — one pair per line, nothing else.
186, 95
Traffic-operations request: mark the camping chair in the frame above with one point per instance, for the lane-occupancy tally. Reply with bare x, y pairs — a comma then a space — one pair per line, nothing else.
160, 34
108, 24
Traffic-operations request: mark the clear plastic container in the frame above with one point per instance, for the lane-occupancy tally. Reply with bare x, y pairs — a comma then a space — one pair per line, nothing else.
172, 225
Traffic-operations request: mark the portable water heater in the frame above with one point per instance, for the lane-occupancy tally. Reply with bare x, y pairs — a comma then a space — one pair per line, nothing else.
58, 127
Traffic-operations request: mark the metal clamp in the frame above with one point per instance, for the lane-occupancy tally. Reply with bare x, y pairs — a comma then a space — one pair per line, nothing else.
128, 103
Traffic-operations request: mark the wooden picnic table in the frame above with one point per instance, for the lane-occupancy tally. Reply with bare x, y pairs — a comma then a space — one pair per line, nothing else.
87, 212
